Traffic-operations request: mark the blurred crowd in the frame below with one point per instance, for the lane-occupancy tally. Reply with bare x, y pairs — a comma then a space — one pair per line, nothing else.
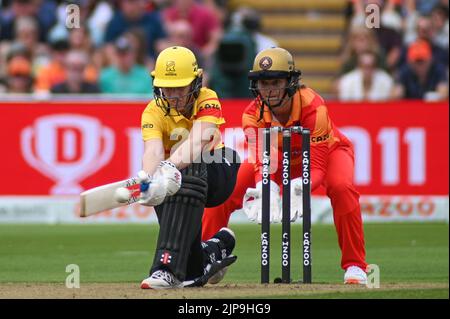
48, 46
402, 55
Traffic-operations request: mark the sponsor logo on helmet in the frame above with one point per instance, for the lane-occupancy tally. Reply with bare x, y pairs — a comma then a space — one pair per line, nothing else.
147, 125
170, 66
291, 65
265, 63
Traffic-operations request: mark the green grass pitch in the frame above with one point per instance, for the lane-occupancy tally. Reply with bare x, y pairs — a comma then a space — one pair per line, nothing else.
413, 258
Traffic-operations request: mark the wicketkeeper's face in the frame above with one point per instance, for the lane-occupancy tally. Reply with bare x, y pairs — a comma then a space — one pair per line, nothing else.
272, 90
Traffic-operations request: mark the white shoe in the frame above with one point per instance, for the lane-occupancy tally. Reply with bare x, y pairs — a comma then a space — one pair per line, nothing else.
161, 279
218, 276
355, 275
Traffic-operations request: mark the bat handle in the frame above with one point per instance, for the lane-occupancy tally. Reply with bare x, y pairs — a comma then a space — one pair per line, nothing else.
144, 180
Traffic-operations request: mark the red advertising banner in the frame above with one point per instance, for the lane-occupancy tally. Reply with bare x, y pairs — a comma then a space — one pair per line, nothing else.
59, 148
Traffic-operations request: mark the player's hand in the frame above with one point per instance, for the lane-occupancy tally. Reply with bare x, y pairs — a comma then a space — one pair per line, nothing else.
296, 198
171, 175
252, 203
166, 181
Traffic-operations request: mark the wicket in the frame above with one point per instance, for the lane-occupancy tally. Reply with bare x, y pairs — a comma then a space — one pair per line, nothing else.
286, 223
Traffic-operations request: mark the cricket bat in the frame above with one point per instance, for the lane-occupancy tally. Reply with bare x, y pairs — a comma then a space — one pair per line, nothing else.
101, 198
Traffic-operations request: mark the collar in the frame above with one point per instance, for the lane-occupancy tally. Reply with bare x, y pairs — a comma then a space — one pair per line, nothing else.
294, 117
178, 117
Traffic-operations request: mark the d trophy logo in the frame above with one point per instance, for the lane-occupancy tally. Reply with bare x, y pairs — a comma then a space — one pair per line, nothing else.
67, 148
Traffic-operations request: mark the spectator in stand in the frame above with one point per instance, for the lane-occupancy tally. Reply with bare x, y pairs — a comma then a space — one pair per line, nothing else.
19, 78
424, 31
8, 51
26, 31
360, 39
137, 38
125, 77
251, 20
389, 33
42, 10
54, 72
422, 77
98, 13
95, 14
133, 14
426, 6
440, 25
75, 66
233, 59
367, 82
219, 7
26, 35
206, 27
180, 34
79, 39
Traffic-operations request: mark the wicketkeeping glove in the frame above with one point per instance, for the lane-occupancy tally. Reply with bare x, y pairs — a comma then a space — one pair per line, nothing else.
296, 198
252, 203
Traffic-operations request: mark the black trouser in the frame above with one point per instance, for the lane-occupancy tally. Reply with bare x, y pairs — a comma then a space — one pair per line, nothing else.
222, 175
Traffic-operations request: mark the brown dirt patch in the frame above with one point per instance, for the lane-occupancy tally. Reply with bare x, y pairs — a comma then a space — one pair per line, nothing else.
132, 290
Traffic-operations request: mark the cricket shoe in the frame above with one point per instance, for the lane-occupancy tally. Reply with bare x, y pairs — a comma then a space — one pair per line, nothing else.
161, 279
228, 239
355, 276
218, 255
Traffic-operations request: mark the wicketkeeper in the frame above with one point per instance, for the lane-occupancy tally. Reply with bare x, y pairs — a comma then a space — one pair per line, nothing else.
186, 168
281, 101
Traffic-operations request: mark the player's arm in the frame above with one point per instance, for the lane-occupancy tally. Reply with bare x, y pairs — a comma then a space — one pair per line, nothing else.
152, 134
164, 177
250, 127
202, 135
153, 155
320, 136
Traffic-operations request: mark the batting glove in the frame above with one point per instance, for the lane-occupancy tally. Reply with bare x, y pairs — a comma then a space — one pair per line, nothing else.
166, 181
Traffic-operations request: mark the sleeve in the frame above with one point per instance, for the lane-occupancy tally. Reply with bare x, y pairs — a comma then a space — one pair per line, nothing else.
151, 125
250, 127
209, 109
320, 136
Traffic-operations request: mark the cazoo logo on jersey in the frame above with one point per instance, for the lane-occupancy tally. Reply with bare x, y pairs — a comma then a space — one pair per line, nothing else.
67, 148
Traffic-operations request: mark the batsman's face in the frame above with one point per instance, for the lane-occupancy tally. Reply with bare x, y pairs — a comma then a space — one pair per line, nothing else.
272, 90
177, 97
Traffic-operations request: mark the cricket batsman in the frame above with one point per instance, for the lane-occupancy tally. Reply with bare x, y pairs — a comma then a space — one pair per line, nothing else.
186, 168
280, 101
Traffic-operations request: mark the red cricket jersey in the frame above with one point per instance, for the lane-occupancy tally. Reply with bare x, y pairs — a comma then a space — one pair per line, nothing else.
309, 111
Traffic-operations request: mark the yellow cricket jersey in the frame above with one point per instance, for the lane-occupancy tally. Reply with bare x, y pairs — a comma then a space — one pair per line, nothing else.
174, 127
